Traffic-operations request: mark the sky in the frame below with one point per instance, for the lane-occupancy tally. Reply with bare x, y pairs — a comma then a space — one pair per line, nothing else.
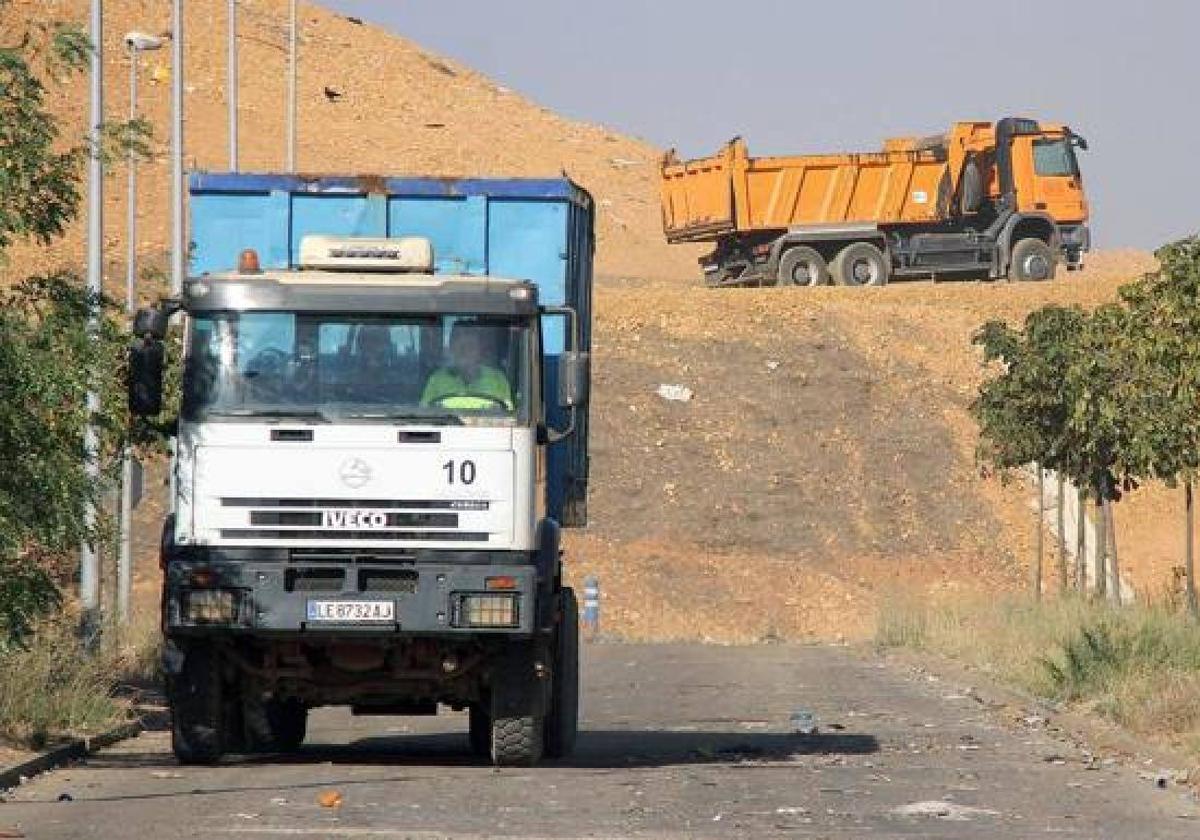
792, 76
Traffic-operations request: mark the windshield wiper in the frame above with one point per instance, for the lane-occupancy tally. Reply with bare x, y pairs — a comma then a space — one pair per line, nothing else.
272, 414
435, 419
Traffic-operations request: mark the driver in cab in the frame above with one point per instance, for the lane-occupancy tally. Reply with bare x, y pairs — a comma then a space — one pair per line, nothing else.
467, 383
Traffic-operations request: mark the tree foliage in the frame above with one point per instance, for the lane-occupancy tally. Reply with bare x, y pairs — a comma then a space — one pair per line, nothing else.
56, 342
1108, 398
39, 172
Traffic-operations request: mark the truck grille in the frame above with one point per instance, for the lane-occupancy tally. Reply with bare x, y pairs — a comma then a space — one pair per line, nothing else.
384, 520
387, 580
315, 580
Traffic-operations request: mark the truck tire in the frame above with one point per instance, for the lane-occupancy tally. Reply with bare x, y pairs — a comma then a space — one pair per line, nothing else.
562, 718
274, 725
802, 266
516, 709
479, 730
516, 740
860, 264
1032, 259
197, 707
288, 720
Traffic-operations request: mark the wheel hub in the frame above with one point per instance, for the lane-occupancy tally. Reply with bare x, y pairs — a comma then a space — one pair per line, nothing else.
1037, 267
863, 271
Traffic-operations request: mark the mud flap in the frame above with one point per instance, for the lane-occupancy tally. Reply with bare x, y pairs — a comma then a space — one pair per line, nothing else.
518, 684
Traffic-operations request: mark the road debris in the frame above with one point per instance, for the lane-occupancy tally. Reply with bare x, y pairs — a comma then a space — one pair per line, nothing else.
942, 810
675, 393
165, 774
804, 722
330, 799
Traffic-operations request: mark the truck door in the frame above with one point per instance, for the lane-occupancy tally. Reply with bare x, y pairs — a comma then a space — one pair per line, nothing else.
1047, 177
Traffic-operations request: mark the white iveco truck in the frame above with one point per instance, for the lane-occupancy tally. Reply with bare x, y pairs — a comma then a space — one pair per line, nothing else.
359, 512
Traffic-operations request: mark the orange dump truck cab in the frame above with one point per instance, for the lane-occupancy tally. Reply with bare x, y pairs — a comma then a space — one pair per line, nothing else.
997, 200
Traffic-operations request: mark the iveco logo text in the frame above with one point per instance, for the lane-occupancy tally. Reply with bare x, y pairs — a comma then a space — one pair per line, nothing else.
353, 519
354, 473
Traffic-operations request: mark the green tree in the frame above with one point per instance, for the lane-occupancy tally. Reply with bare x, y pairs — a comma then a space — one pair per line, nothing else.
48, 359
1165, 354
1024, 412
1058, 400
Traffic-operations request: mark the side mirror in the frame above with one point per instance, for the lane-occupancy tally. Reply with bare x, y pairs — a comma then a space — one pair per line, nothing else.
151, 320
144, 377
574, 378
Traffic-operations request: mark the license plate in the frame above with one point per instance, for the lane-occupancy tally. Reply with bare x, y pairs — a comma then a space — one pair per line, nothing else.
352, 612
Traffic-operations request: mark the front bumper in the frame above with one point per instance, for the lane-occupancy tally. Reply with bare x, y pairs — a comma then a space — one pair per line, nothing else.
271, 597
1075, 240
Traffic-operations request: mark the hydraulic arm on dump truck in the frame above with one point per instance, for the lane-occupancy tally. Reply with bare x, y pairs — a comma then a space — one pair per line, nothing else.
379, 439
998, 201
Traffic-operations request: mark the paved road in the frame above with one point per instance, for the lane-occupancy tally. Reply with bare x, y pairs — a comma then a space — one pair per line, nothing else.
679, 741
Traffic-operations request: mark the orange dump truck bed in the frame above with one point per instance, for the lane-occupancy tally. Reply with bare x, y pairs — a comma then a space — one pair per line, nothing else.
732, 191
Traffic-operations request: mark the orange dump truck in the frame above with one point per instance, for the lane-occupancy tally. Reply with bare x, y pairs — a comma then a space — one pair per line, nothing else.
992, 200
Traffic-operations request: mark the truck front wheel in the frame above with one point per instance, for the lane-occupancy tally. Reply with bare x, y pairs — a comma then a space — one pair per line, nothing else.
803, 266
562, 720
516, 710
275, 724
289, 724
516, 740
1032, 259
479, 729
197, 706
860, 264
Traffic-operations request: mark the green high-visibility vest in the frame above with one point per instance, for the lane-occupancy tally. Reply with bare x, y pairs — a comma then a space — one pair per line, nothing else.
488, 384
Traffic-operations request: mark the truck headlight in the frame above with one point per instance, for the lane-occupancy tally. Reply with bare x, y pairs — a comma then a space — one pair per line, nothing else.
478, 609
209, 606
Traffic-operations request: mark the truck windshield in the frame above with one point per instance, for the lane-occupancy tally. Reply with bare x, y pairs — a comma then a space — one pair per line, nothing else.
336, 366
1054, 157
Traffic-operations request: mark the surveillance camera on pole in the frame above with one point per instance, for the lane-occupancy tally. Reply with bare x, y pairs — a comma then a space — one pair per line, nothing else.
142, 41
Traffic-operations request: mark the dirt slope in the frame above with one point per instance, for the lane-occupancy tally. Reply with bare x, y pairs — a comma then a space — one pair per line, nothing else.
402, 110
827, 454
826, 458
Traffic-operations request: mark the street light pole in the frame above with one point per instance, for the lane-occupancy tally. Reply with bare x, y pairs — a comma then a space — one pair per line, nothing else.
135, 43
177, 244
233, 87
291, 91
89, 560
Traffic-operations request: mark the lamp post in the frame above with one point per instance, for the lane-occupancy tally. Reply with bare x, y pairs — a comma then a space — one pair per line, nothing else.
291, 91
178, 249
232, 86
89, 560
136, 43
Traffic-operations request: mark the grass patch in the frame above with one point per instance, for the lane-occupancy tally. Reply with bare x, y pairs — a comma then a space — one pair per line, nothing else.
53, 689
1137, 665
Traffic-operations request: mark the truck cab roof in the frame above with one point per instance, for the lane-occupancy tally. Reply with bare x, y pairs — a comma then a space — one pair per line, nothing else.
342, 291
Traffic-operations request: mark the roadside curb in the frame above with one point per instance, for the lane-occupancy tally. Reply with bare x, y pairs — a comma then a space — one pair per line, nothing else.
1084, 729
11, 777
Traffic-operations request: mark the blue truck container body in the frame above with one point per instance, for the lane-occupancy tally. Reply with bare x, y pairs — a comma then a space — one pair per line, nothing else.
539, 230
